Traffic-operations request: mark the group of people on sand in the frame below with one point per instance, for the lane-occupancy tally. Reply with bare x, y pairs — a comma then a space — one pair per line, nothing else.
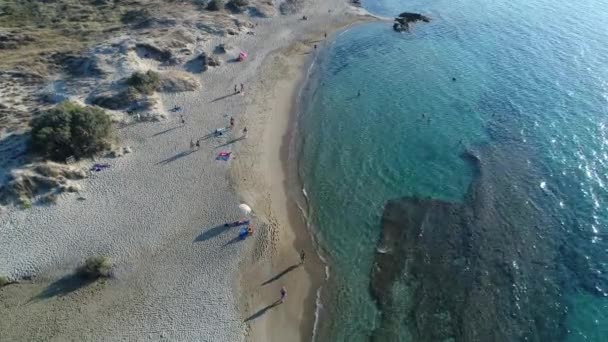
241, 91
283, 291
218, 132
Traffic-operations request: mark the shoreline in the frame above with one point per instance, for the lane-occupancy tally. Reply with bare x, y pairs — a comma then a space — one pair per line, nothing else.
303, 301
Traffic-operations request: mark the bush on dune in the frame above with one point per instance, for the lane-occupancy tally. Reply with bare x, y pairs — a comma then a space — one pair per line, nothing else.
145, 83
96, 267
71, 130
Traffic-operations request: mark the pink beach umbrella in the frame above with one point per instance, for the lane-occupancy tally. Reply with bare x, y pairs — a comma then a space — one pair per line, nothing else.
242, 56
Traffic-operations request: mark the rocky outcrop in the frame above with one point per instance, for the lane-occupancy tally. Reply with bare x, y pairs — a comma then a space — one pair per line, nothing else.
403, 21
223, 48
202, 62
413, 17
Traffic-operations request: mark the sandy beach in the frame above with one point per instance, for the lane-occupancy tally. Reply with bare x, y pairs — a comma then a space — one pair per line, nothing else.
158, 213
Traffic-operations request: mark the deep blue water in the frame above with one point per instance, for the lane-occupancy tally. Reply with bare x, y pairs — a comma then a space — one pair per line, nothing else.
537, 69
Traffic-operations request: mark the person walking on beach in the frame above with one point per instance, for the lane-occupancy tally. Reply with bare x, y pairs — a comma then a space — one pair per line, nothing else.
302, 257
198, 144
242, 88
231, 122
182, 119
236, 91
245, 132
283, 294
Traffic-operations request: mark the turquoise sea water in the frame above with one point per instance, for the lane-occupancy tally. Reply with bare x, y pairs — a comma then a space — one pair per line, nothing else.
531, 82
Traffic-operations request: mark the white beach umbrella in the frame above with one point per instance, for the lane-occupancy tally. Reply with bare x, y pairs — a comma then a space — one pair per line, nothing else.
245, 208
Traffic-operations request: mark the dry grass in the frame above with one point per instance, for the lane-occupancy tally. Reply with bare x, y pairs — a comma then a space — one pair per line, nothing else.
64, 25
42, 180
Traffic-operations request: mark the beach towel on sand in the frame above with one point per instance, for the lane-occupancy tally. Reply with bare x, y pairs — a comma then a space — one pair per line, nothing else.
99, 167
223, 156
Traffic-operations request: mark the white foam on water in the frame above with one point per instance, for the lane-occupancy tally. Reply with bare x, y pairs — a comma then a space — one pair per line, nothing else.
318, 308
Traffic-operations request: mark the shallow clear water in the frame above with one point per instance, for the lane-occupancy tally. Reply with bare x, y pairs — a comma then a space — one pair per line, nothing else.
535, 71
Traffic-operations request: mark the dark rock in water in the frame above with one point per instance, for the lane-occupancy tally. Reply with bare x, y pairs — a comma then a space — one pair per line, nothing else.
482, 270
403, 21
413, 17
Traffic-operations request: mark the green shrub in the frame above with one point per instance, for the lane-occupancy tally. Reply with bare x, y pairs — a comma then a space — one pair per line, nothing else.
215, 5
71, 130
145, 83
25, 203
96, 267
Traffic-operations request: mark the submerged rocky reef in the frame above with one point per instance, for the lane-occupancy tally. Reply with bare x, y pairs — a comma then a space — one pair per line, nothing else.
493, 268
